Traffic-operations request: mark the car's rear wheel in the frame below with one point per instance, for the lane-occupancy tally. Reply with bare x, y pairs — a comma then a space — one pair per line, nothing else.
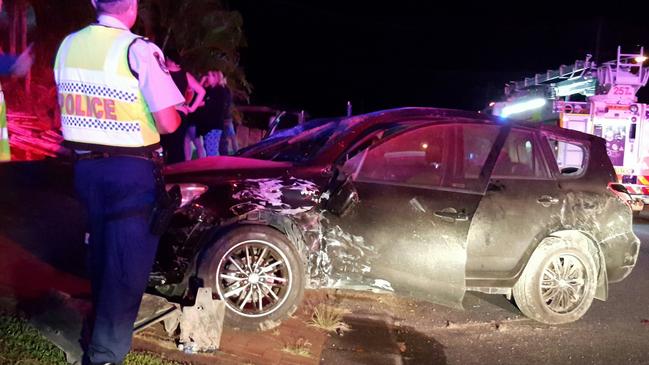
559, 282
256, 272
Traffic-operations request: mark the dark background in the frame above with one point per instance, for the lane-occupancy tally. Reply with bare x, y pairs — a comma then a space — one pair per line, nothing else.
317, 55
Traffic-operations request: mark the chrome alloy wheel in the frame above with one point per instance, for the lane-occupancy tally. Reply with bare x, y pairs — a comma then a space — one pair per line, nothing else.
563, 282
253, 278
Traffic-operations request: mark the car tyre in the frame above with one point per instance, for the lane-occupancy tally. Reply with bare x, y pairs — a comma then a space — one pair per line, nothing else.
559, 282
260, 277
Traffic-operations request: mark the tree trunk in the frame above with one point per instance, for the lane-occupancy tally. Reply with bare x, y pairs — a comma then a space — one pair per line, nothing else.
23, 41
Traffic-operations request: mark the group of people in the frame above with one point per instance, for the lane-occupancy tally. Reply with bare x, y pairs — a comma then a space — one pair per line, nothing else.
207, 126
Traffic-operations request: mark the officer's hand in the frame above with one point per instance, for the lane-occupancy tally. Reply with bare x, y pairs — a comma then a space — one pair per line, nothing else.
183, 109
23, 63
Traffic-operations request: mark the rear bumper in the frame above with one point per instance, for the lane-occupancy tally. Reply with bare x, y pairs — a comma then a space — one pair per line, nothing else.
621, 255
620, 273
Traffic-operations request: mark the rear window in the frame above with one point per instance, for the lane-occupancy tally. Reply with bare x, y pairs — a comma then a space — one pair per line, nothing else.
570, 157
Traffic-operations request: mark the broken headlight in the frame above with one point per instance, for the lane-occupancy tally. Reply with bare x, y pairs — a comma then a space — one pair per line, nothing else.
189, 192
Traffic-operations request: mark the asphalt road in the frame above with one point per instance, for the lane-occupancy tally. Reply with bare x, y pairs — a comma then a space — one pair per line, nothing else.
390, 330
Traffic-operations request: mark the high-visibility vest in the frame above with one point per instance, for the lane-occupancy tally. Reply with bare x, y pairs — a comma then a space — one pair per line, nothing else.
102, 107
5, 153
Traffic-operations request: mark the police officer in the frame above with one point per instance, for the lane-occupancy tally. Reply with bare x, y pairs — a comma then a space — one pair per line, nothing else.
16, 66
116, 98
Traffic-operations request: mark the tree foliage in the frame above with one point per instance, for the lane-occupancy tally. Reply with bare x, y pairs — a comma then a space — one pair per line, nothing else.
207, 35
52, 21
205, 32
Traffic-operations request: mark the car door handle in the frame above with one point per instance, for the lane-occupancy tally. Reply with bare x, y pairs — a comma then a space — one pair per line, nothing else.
547, 201
451, 214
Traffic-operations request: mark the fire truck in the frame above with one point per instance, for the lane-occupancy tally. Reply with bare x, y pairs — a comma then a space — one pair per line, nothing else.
595, 99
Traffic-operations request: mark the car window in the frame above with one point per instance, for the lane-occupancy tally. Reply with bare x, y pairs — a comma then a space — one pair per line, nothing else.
447, 156
520, 158
570, 157
472, 148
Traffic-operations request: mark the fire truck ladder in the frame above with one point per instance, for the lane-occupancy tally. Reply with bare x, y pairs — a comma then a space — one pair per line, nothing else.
627, 69
578, 71
584, 76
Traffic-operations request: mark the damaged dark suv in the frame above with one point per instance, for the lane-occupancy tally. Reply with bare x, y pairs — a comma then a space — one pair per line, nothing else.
422, 202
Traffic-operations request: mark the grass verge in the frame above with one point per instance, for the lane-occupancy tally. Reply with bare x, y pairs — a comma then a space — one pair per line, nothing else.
22, 344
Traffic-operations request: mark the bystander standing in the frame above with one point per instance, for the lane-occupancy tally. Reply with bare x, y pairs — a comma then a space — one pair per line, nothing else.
213, 113
176, 146
229, 144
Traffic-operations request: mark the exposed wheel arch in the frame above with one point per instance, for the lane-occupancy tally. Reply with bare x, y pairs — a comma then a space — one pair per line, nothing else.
281, 222
503, 286
227, 240
580, 238
559, 282
587, 242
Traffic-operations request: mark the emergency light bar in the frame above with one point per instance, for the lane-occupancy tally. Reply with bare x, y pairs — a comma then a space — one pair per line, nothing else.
522, 107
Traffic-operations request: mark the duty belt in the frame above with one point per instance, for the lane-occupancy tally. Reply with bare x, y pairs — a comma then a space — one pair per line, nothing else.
151, 155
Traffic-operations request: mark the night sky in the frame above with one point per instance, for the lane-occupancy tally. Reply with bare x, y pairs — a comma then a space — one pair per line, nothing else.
317, 55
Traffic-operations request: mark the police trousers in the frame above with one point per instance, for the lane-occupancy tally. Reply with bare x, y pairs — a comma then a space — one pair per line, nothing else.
119, 194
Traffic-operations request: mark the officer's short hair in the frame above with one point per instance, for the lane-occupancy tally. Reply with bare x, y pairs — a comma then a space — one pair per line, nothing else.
113, 6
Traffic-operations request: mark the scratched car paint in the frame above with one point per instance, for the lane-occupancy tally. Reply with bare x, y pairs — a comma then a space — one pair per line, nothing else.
428, 203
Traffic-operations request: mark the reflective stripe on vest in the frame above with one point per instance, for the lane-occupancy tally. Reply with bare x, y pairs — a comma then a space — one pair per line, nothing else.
5, 154
101, 103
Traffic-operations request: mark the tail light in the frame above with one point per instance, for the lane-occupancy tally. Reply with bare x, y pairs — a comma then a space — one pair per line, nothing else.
189, 192
620, 191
